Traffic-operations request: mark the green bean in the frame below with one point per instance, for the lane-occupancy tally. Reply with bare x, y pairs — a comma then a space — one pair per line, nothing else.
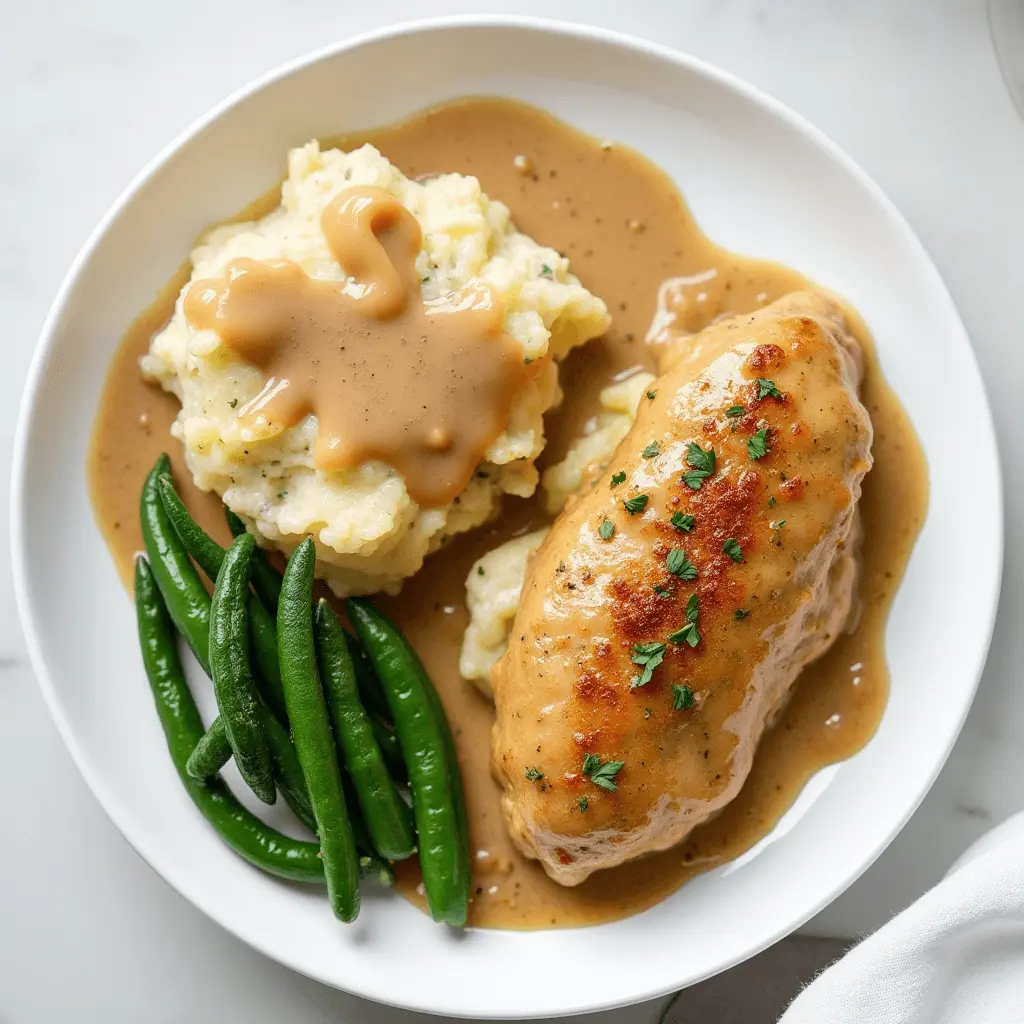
372, 697
232, 677
263, 638
434, 775
387, 740
458, 790
311, 729
287, 770
371, 864
209, 556
183, 592
265, 578
213, 751
205, 551
249, 837
370, 692
385, 813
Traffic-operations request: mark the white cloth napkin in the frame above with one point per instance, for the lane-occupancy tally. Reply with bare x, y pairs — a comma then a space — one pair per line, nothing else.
956, 956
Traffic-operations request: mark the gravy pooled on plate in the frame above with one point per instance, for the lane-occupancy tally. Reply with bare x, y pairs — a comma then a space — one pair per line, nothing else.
626, 229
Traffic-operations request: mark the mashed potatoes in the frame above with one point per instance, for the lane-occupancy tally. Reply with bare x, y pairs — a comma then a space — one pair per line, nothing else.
493, 587
588, 454
370, 534
496, 580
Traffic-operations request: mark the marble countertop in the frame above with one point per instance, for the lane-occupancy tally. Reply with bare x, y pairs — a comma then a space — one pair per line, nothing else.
911, 90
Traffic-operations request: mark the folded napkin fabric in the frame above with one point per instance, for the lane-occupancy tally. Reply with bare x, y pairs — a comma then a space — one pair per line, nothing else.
956, 956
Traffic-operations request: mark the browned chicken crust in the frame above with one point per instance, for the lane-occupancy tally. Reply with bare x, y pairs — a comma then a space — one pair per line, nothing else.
610, 661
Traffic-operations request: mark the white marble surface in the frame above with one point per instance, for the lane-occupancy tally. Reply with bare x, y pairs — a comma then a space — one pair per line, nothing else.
90, 91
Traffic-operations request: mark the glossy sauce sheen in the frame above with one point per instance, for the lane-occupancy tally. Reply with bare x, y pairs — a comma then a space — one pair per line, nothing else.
626, 230
422, 386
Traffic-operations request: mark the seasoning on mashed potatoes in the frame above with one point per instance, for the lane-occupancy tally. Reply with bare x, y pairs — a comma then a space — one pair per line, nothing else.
495, 583
370, 534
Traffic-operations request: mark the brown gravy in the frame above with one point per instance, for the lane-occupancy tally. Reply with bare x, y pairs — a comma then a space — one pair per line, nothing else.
430, 393
626, 229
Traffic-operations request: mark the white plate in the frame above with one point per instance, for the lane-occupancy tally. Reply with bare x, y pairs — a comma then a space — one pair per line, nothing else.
761, 181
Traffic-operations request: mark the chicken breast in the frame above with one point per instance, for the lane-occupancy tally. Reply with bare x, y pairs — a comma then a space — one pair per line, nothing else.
668, 612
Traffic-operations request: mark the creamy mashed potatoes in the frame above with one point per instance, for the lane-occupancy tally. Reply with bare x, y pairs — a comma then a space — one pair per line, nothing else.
370, 534
588, 454
493, 587
495, 583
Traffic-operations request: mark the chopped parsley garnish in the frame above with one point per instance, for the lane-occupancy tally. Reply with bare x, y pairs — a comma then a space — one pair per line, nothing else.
534, 775
602, 773
766, 388
688, 634
651, 450
479, 570
757, 446
732, 548
606, 529
682, 697
651, 394
771, 501
679, 565
702, 465
735, 410
650, 656
281, 495
682, 521
662, 591
618, 478
545, 270
583, 803
635, 504
777, 525
641, 652
700, 459
742, 613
